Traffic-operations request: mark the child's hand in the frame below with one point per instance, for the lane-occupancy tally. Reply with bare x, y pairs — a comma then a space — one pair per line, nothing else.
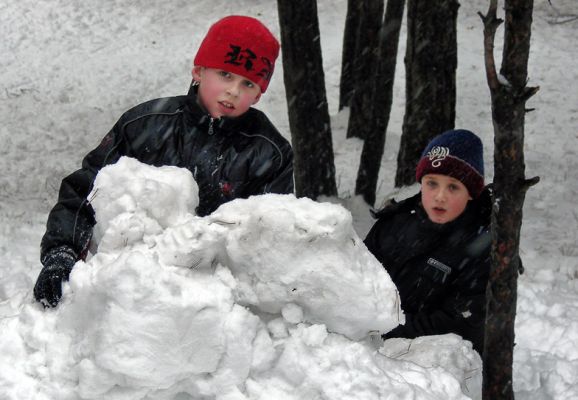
57, 267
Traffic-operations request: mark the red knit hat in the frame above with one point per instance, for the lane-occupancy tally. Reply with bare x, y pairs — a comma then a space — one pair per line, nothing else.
241, 45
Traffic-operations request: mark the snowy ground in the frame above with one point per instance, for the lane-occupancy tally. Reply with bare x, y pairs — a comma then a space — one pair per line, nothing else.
69, 70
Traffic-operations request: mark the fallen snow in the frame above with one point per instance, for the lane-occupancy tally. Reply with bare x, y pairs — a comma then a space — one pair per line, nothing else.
69, 69
268, 297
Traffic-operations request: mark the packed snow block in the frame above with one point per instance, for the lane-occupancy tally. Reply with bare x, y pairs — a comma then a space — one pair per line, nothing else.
290, 256
134, 323
193, 243
315, 364
258, 300
448, 353
286, 251
132, 198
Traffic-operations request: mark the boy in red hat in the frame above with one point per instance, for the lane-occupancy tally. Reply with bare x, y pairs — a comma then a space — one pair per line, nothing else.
436, 244
232, 149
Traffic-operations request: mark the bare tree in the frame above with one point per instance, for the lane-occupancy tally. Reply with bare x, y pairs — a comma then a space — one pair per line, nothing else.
364, 66
348, 54
381, 101
430, 64
314, 166
509, 95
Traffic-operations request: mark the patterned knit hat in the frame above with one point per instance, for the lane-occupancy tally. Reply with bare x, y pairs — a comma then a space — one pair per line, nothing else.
241, 45
457, 153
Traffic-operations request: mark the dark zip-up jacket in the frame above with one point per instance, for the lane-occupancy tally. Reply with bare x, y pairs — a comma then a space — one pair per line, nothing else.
228, 157
441, 271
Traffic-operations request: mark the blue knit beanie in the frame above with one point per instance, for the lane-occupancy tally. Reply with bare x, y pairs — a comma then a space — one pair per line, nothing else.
457, 153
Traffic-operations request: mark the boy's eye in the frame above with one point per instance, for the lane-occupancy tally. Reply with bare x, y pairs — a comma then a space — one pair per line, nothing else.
225, 74
249, 84
454, 188
431, 183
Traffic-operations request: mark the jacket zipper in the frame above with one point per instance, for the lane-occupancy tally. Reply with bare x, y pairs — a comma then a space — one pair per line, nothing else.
211, 130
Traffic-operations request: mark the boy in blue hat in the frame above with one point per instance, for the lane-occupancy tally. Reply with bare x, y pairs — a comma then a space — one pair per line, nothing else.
436, 244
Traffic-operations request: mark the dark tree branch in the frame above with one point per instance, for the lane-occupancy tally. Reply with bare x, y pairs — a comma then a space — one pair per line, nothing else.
561, 18
528, 92
528, 183
491, 24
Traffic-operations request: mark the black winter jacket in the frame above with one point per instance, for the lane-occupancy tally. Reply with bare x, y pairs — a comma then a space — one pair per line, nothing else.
228, 157
441, 271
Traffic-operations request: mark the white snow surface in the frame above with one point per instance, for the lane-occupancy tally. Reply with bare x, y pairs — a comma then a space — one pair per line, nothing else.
267, 297
175, 306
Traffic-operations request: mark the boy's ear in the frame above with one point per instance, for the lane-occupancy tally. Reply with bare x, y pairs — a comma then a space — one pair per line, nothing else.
257, 98
197, 72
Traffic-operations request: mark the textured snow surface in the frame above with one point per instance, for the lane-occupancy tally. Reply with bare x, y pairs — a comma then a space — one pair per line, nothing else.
69, 70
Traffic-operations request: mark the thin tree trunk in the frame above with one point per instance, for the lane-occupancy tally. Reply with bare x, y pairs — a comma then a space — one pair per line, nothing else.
366, 50
349, 57
314, 167
510, 185
374, 143
430, 63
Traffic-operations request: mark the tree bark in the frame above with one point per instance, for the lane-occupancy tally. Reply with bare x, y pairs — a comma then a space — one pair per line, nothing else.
509, 95
314, 167
430, 63
348, 56
366, 53
381, 103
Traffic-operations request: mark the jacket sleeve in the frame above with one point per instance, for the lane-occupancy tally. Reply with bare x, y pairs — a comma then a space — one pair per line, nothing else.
372, 240
462, 311
71, 220
282, 181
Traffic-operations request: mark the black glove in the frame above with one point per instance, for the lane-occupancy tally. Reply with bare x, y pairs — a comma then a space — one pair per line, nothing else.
57, 263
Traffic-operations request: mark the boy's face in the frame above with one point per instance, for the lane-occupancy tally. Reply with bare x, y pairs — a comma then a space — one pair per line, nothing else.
224, 94
444, 198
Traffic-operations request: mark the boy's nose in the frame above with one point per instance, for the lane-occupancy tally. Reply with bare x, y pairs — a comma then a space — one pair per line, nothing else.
233, 89
440, 195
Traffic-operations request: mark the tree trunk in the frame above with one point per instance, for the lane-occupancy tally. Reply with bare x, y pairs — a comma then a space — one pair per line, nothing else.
348, 55
509, 97
430, 63
374, 143
366, 50
314, 167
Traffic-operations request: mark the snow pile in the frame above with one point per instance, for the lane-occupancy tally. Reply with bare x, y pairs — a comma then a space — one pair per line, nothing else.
303, 259
268, 298
146, 206
52, 115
